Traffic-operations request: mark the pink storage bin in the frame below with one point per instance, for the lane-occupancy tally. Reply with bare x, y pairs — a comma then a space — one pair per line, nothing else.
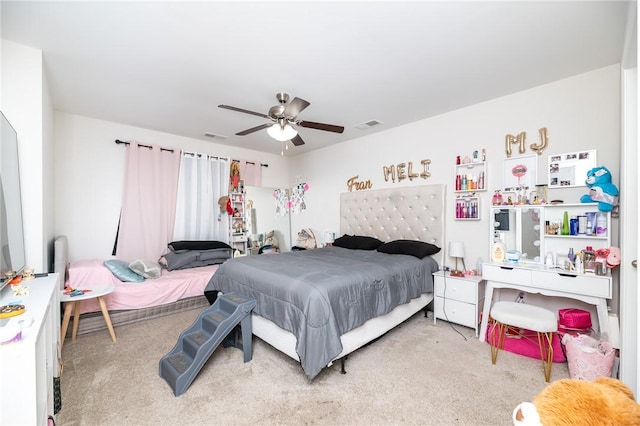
588, 358
526, 343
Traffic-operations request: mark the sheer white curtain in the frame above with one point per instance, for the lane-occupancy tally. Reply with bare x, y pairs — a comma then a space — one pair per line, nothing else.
203, 180
148, 202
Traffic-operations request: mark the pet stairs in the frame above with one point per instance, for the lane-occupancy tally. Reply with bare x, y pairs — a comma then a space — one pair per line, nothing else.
215, 325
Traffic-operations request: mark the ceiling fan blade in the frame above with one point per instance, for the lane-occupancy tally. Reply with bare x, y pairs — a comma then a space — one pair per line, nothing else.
246, 111
254, 129
321, 126
294, 107
297, 140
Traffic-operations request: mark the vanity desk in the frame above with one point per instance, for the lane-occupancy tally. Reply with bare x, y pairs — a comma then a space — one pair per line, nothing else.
537, 278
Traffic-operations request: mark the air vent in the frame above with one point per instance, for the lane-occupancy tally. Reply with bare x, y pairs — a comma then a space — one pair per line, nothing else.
213, 135
368, 124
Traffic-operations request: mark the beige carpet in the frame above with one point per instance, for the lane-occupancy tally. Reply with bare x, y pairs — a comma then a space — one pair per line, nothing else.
419, 373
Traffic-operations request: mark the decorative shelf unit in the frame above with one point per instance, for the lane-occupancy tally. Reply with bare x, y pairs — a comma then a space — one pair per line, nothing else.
467, 207
561, 243
471, 177
238, 223
523, 228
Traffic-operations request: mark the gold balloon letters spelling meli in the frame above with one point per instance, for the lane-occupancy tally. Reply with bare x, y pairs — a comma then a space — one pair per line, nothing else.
402, 171
520, 141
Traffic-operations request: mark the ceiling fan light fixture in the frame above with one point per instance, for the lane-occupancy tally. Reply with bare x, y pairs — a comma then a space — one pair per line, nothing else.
282, 132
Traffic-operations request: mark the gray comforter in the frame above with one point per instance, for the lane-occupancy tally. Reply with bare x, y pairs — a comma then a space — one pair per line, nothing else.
321, 294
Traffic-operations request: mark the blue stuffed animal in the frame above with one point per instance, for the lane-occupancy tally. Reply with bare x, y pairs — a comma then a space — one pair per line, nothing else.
601, 190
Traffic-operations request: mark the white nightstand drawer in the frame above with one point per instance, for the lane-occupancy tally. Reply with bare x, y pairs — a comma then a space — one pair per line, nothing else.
457, 289
456, 312
583, 284
506, 274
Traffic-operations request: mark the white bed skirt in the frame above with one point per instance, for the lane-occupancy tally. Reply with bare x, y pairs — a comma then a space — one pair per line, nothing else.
285, 342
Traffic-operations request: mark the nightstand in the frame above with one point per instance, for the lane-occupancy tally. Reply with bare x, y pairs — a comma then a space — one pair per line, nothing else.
457, 299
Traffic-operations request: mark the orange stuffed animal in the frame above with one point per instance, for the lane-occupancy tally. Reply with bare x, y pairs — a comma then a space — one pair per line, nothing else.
566, 402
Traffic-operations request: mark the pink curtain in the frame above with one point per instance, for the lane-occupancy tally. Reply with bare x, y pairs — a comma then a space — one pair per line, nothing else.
251, 173
148, 203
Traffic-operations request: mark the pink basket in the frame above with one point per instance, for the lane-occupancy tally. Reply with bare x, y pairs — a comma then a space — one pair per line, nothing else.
574, 319
588, 358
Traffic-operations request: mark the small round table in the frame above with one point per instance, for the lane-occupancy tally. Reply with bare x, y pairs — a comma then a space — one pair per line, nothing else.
72, 303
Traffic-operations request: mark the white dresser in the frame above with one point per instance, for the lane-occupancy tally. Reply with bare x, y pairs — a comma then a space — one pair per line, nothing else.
536, 278
457, 299
28, 367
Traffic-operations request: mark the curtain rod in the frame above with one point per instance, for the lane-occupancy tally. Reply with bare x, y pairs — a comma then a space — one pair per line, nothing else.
118, 141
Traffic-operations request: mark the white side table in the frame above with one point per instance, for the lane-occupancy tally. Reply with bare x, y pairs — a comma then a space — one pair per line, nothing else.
457, 299
72, 304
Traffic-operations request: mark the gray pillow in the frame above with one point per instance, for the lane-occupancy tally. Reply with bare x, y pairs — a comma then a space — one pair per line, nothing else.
121, 270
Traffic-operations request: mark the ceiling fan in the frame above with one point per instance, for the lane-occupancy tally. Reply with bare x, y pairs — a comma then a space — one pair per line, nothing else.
282, 119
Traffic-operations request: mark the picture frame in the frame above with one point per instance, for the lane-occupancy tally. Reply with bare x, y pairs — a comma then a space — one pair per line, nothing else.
570, 169
519, 173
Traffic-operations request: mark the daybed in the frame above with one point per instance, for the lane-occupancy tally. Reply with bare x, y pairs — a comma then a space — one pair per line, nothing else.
319, 305
174, 291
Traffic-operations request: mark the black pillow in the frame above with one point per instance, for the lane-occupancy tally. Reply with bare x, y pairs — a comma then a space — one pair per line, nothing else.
356, 242
197, 245
418, 249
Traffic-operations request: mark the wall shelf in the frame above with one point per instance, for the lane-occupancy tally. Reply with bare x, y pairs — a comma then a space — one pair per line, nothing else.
471, 177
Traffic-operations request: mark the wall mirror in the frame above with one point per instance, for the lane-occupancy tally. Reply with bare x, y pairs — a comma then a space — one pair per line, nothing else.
12, 249
519, 229
570, 169
263, 217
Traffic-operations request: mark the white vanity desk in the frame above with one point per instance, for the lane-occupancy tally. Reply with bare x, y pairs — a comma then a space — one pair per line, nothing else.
536, 278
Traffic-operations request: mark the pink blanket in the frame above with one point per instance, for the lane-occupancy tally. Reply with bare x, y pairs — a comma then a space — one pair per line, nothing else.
170, 287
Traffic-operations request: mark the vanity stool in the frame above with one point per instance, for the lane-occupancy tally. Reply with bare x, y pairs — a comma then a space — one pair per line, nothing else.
512, 316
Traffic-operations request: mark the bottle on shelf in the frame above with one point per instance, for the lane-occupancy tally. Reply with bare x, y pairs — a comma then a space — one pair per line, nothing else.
589, 260
601, 224
573, 225
565, 224
578, 263
496, 200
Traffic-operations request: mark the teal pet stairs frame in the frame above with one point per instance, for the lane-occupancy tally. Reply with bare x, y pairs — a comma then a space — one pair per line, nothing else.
216, 324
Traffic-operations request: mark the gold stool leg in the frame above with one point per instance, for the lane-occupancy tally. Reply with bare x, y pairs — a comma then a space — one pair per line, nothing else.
546, 353
497, 327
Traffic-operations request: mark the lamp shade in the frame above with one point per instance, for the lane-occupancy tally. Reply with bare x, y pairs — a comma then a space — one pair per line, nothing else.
456, 249
328, 237
282, 132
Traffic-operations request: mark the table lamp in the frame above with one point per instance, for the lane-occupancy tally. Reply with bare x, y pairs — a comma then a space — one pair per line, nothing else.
456, 250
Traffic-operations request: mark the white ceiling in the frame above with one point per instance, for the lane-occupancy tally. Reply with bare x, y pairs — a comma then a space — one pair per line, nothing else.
167, 65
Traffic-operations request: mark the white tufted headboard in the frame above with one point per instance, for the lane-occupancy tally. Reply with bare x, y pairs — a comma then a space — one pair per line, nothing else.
410, 213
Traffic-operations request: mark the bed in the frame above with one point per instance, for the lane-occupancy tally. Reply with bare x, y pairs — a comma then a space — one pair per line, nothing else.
174, 291
312, 326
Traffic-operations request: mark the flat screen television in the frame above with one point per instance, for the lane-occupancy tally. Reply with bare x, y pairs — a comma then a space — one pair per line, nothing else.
12, 253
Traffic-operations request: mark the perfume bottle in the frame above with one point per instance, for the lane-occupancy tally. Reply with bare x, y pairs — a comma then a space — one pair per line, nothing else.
496, 200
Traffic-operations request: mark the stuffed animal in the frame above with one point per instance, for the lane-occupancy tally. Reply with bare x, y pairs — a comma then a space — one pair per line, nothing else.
605, 401
601, 190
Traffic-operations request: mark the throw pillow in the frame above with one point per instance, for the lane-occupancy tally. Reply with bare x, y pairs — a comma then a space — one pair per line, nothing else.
121, 270
357, 242
418, 249
146, 268
197, 245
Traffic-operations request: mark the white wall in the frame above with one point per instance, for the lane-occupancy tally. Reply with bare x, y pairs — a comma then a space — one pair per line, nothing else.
582, 112
27, 105
89, 172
